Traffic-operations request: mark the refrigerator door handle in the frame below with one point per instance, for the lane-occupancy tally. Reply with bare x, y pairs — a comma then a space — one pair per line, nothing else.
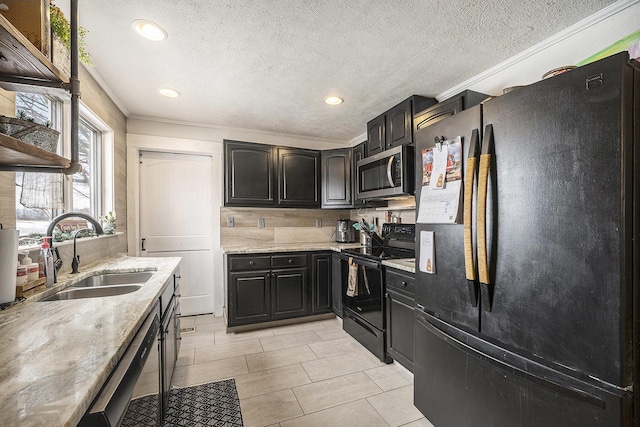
469, 180
483, 180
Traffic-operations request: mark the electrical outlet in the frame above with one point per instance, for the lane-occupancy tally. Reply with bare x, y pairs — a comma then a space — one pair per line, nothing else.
318, 222
260, 222
230, 222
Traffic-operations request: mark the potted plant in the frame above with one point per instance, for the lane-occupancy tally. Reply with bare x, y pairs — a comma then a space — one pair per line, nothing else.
61, 40
109, 223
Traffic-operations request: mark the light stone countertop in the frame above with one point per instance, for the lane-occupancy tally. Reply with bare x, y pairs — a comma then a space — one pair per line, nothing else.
288, 247
406, 264
56, 355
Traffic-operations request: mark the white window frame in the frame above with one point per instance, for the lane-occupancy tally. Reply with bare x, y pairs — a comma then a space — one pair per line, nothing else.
106, 200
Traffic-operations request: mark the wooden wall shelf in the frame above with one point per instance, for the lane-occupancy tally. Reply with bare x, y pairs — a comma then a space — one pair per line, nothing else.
24, 68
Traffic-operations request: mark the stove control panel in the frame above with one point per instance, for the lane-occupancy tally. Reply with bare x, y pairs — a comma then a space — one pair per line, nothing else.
399, 231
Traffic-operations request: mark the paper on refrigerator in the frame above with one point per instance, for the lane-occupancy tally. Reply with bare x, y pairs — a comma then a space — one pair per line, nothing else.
427, 262
441, 183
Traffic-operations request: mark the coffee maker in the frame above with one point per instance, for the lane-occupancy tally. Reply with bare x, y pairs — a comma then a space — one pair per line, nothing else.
345, 232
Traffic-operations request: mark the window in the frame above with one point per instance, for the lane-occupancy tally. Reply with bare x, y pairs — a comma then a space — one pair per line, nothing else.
58, 193
87, 183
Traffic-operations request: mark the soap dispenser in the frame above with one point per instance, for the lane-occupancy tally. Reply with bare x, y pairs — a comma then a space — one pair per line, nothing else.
45, 263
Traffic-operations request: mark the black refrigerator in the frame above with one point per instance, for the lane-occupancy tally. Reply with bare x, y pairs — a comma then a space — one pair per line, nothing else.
532, 315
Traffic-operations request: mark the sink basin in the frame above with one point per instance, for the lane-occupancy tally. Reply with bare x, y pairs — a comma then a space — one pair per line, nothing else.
109, 279
93, 292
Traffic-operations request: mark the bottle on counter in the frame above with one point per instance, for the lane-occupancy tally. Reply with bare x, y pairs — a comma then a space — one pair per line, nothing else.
21, 275
45, 263
33, 269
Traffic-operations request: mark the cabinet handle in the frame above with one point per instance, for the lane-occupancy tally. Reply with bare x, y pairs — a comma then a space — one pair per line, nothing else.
290, 261
143, 249
178, 277
252, 262
404, 283
267, 275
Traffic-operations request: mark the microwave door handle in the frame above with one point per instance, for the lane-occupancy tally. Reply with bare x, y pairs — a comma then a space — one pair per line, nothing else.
389, 176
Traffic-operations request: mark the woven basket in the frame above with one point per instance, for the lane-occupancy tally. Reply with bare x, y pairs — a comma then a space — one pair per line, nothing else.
32, 133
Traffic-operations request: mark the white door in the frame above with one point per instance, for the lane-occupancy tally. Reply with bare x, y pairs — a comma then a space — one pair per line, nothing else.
176, 220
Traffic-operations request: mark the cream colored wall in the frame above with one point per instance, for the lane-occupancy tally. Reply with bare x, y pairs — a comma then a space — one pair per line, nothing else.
94, 97
7, 179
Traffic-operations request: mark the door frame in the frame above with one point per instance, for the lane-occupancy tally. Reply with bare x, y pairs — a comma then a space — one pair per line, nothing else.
137, 143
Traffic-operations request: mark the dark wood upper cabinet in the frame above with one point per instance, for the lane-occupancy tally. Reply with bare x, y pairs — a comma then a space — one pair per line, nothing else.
261, 175
398, 124
249, 173
337, 182
376, 141
298, 177
395, 126
447, 108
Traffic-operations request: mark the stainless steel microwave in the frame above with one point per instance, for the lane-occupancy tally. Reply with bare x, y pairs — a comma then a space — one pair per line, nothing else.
387, 174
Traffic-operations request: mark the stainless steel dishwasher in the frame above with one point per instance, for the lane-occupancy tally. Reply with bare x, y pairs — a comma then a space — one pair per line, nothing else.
137, 370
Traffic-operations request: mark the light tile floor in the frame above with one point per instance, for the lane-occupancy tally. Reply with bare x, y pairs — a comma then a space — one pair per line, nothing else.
308, 374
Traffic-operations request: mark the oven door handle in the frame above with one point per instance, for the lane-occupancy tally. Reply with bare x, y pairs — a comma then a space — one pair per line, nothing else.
360, 261
389, 175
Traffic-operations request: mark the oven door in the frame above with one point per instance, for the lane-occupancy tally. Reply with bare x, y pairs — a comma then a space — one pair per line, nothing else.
368, 301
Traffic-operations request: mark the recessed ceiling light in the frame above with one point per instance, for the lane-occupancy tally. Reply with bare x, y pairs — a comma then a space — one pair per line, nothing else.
333, 100
149, 30
169, 93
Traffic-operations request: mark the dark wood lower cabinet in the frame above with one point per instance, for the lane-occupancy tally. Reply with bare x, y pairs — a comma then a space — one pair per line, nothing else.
321, 282
400, 306
289, 293
249, 297
292, 285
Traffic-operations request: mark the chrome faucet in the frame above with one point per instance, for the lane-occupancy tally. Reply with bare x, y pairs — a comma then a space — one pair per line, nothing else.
97, 228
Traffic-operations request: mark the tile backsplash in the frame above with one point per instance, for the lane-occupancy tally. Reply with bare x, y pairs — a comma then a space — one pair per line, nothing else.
286, 225
281, 225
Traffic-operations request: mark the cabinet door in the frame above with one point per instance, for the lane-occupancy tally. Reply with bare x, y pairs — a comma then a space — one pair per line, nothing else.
249, 174
289, 293
398, 124
249, 297
375, 136
321, 283
336, 284
400, 321
357, 153
337, 190
298, 177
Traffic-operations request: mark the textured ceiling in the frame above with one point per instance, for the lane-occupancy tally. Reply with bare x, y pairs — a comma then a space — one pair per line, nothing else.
268, 65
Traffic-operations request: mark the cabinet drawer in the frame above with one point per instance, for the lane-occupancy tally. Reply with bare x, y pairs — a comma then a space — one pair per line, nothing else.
293, 260
249, 263
400, 281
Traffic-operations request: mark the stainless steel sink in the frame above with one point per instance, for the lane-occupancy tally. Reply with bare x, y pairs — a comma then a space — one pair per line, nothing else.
109, 279
94, 292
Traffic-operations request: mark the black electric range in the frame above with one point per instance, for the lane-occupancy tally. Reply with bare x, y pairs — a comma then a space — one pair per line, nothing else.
363, 285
